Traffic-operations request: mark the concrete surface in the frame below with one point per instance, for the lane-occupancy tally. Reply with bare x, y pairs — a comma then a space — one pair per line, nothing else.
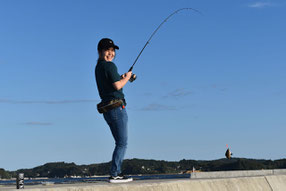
237, 173
279, 171
253, 181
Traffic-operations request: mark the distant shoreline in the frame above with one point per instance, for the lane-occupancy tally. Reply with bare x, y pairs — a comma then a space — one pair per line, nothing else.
142, 167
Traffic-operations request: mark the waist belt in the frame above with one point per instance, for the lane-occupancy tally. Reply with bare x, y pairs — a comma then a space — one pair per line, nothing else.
103, 107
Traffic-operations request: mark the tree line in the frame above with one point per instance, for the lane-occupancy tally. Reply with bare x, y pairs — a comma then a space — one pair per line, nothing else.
141, 166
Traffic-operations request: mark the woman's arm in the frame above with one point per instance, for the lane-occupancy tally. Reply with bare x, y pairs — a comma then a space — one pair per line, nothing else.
121, 83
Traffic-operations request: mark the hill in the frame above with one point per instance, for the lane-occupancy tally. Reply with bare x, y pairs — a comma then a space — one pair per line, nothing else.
142, 166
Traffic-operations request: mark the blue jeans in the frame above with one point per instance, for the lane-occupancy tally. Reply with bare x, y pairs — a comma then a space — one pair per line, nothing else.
117, 120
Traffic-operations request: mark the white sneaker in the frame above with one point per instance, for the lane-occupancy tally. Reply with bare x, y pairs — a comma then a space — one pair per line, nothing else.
120, 179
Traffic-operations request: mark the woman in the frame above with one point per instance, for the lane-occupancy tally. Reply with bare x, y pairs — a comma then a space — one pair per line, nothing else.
109, 85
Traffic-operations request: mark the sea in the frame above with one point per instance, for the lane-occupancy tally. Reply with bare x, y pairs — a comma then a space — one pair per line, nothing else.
92, 179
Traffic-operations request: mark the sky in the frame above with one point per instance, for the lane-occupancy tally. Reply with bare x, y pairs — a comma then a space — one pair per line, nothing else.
204, 81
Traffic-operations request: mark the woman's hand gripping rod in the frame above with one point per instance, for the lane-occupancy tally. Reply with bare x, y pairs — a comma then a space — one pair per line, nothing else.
133, 77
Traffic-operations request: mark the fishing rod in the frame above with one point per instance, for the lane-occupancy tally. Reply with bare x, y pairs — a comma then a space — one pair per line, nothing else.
133, 77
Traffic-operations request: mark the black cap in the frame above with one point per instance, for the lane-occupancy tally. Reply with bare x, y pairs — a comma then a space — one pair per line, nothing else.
105, 44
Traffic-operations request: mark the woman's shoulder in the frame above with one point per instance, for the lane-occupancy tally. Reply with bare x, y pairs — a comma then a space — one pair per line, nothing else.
106, 65
110, 64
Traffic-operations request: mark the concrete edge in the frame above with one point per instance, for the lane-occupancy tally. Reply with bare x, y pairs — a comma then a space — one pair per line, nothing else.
238, 173
265, 183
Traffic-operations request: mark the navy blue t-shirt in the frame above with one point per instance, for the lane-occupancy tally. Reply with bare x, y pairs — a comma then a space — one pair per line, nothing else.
106, 74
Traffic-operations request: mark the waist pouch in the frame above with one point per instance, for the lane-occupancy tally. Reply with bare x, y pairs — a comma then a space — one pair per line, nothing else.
103, 107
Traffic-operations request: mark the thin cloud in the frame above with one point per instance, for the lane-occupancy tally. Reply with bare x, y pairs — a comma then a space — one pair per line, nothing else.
178, 93
158, 107
8, 101
213, 86
36, 123
260, 5
223, 89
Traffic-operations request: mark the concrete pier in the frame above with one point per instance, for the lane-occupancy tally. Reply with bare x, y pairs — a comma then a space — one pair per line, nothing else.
237, 173
264, 180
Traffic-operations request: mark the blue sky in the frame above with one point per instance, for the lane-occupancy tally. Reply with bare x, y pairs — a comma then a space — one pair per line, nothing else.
203, 82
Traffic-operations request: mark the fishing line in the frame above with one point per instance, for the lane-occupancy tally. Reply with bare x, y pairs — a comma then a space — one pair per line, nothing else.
165, 20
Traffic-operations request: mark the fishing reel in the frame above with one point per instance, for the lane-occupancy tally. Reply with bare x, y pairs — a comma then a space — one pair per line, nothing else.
133, 78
